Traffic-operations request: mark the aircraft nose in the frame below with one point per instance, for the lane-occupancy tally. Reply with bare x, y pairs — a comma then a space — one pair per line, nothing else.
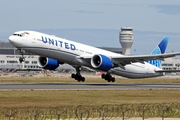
14, 41
11, 38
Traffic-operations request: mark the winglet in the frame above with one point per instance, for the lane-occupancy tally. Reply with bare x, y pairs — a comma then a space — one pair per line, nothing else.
160, 49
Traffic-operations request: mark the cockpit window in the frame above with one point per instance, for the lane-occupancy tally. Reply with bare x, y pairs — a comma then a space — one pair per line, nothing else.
18, 35
22, 34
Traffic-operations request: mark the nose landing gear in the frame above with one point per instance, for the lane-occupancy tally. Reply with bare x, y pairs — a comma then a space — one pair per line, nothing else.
22, 58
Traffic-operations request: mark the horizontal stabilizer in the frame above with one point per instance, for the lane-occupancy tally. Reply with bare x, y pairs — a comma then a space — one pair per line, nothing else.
167, 71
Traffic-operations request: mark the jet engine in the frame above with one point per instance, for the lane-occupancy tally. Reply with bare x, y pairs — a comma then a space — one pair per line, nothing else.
101, 62
48, 63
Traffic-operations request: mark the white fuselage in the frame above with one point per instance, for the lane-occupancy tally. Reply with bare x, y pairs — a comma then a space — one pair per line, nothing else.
71, 52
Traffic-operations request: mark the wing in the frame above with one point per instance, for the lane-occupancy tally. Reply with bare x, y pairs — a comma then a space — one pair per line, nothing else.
123, 60
141, 58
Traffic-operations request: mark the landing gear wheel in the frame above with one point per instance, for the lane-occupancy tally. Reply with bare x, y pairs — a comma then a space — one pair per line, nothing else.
113, 79
83, 79
21, 59
108, 77
103, 76
78, 77
73, 75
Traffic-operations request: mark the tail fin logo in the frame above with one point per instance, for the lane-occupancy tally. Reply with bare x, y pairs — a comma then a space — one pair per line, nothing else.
160, 49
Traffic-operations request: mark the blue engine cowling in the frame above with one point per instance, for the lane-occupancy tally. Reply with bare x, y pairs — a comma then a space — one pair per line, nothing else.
101, 62
48, 63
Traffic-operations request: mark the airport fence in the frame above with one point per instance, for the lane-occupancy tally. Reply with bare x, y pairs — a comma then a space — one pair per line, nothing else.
106, 112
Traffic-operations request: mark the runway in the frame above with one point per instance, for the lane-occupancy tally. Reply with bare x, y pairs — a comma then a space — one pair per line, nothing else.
87, 86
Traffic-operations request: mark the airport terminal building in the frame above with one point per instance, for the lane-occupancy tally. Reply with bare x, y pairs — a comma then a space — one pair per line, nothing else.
9, 56
9, 59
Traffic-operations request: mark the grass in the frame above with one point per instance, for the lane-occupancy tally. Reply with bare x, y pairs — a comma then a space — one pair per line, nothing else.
46, 98
88, 80
85, 97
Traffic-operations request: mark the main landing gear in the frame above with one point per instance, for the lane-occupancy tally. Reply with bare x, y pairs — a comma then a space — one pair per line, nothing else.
78, 76
108, 77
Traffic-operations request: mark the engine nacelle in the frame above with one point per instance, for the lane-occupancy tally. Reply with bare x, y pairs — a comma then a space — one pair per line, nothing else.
101, 62
48, 63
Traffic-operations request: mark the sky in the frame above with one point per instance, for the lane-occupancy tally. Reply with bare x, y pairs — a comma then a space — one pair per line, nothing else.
96, 22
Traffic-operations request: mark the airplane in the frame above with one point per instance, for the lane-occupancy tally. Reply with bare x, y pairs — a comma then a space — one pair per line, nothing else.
54, 51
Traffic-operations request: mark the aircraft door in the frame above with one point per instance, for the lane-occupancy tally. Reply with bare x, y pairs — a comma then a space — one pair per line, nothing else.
27, 38
33, 39
23, 37
147, 68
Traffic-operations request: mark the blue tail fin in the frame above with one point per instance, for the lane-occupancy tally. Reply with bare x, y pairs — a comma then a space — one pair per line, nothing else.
160, 49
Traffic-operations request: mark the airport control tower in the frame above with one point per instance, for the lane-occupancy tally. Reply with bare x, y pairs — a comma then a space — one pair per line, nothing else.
126, 37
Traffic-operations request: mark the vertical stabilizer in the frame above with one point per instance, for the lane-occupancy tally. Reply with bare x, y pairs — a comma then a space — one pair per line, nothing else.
160, 49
